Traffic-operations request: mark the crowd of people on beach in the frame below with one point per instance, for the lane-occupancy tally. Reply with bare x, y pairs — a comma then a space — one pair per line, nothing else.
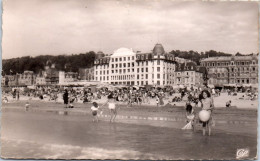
135, 96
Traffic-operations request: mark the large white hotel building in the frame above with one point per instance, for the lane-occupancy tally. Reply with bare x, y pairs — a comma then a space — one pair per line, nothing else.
127, 67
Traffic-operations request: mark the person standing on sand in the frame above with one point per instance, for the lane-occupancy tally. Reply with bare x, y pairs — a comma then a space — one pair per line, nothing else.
66, 98
18, 96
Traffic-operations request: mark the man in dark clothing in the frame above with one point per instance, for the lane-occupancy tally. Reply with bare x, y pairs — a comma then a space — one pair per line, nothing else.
66, 98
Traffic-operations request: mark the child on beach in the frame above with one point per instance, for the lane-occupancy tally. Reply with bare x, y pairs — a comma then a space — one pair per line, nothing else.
190, 117
27, 105
157, 101
94, 110
112, 107
207, 104
228, 103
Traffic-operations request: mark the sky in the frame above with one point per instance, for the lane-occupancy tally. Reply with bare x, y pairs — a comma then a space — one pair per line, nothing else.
55, 27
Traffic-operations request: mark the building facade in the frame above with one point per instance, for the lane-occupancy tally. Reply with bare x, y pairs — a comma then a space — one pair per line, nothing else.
11, 80
188, 74
27, 78
237, 70
65, 77
86, 74
3, 81
127, 67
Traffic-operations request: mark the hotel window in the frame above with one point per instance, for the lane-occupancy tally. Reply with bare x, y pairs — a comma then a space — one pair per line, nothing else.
108, 72
112, 65
137, 76
138, 64
142, 83
146, 76
116, 65
253, 68
112, 59
133, 70
104, 72
146, 62
116, 71
120, 59
128, 58
137, 70
133, 64
153, 76
158, 62
124, 64
104, 78
112, 71
158, 82
142, 69
100, 78
128, 70
146, 69
116, 60
133, 57
128, 64
120, 65
213, 64
100, 72
124, 70
96, 67
124, 58
120, 71
107, 77
158, 69
158, 76
96, 73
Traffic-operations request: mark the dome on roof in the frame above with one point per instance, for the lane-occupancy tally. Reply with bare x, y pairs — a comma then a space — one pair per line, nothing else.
123, 52
158, 49
100, 54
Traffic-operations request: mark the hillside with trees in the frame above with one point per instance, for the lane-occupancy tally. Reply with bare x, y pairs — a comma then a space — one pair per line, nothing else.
36, 64
196, 56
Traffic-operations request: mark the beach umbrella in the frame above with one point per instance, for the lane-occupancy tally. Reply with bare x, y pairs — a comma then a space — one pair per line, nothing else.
175, 87
211, 86
181, 86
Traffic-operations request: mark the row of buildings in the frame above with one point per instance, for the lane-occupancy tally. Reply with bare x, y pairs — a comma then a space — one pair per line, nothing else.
50, 76
127, 67
238, 70
158, 67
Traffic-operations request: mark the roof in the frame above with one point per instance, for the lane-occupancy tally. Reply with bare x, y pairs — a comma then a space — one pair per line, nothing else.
229, 58
190, 66
224, 58
158, 49
121, 52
